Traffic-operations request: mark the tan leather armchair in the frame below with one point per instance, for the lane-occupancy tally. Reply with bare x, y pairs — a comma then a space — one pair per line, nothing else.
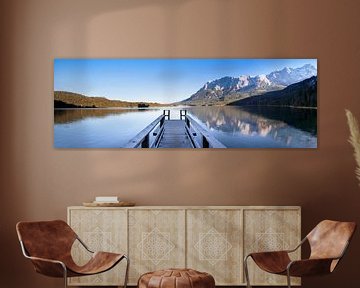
48, 245
328, 242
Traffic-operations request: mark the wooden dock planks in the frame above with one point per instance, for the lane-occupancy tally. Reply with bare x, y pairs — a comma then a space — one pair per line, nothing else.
182, 133
175, 135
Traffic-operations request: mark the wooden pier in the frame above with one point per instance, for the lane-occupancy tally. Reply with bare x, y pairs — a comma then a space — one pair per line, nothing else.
164, 132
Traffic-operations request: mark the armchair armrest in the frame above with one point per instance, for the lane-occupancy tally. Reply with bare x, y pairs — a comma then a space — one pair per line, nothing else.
298, 246
83, 244
314, 266
280, 252
49, 267
309, 267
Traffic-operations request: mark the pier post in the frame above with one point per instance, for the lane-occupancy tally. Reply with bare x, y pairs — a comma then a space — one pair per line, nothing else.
205, 142
146, 142
183, 114
167, 114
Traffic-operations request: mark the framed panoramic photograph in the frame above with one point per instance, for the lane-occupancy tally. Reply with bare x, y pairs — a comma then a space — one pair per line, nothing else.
185, 103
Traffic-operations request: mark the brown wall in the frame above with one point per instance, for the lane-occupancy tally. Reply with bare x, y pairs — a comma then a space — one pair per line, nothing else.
39, 182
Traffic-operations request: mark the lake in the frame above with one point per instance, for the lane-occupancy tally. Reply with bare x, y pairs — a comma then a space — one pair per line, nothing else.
235, 127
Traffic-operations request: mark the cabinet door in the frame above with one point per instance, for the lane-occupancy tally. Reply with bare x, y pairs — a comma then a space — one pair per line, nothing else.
100, 230
214, 244
271, 230
156, 240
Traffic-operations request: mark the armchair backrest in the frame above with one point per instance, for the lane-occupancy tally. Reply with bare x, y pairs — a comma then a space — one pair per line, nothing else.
329, 239
46, 239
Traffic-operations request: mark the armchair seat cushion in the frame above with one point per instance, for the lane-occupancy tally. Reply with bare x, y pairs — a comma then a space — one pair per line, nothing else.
99, 262
272, 262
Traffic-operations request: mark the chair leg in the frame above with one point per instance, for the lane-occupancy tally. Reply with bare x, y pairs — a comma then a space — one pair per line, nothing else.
246, 270
65, 276
127, 271
288, 278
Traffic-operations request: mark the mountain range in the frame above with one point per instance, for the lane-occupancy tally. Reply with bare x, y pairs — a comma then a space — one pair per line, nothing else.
65, 99
228, 89
301, 94
223, 91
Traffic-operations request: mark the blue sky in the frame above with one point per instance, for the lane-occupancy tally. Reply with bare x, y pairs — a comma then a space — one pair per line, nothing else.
155, 80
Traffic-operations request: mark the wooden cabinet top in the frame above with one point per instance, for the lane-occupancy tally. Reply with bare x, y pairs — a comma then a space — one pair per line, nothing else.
194, 207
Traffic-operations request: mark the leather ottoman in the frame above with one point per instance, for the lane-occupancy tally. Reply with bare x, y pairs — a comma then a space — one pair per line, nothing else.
176, 278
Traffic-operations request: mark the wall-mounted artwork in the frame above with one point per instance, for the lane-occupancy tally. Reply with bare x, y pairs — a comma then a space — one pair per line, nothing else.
185, 103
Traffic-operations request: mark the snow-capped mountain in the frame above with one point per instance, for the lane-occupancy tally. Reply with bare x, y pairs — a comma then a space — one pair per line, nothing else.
289, 76
299, 94
234, 88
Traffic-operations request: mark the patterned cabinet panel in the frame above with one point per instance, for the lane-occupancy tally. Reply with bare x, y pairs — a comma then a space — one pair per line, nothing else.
269, 230
156, 240
214, 244
209, 239
101, 230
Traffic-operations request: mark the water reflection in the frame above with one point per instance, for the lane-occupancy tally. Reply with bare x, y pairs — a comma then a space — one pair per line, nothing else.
99, 128
62, 116
248, 127
251, 119
245, 126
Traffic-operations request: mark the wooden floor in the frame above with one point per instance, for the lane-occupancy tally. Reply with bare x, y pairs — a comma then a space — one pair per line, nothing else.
175, 135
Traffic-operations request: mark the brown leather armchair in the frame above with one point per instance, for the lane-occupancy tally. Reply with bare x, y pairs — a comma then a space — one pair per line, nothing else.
48, 245
328, 242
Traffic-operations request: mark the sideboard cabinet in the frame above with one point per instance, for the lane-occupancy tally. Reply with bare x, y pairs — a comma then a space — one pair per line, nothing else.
211, 239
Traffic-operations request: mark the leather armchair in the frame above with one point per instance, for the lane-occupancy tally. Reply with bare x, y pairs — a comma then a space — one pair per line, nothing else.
48, 245
328, 242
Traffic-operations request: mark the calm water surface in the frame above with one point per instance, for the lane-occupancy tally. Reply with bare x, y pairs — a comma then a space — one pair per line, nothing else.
235, 127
